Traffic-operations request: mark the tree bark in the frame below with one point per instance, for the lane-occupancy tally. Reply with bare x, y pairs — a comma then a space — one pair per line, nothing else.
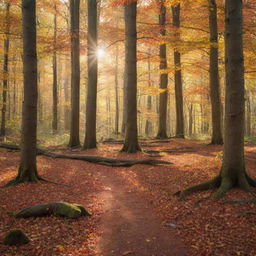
131, 144
148, 126
91, 103
6, 69
74, 140
214, 76
248, 115
28, 169
116, 92
55, 83
178, 78
162, 117
190, 125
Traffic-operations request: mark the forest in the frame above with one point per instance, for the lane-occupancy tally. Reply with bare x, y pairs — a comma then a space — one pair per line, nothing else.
127, 127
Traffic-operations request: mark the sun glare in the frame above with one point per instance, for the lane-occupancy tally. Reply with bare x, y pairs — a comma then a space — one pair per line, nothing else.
101, 52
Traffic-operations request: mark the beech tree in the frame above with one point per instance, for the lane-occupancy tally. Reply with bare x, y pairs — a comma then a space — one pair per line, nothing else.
6, 68
91, 103
75, 73
214, 75
55, 82
177, 75
131, 144
233, 171
28, 169
163, 77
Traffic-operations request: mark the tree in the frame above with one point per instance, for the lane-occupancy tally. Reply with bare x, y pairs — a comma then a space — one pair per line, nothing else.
178, 78
148, 126
91, 103
214, 75
6, 68
233, 172
116, 91
28, 169
163, 76
55, 83
131, 144
75, 73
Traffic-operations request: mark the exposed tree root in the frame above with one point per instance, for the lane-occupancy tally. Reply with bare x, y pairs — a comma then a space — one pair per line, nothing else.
38, 178
223, 185
171, 150
213, 183
94, 159
131, 148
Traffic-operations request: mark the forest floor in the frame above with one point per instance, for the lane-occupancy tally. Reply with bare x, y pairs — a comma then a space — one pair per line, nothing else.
134, 210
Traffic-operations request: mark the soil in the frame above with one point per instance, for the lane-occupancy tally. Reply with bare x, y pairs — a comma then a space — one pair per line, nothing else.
130, 224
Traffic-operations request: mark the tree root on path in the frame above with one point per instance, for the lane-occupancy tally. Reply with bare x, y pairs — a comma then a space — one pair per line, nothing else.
38, 178
94, 159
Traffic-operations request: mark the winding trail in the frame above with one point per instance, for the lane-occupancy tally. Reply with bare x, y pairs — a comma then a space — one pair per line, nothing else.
129, 224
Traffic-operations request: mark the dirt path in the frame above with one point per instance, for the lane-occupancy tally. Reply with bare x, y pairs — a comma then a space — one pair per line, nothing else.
129, 224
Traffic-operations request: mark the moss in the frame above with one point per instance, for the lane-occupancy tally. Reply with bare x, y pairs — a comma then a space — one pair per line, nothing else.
60, 209
84, 212
67, 210
16, 237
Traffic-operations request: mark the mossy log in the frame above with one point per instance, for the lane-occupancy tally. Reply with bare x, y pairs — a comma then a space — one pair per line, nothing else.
109, 161
60, 209
16, 237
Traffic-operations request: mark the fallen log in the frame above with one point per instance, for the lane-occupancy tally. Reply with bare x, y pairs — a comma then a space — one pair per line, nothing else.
109, 161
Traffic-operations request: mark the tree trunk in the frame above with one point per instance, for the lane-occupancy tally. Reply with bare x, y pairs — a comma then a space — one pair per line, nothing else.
131, 144
6, 69
55, 83
27, 169
178, 78
148, 126
248, 115
162, 117
190, 125
91, 103
214, 75
67, 101
124, 103
116, 92
75, 73
233, 172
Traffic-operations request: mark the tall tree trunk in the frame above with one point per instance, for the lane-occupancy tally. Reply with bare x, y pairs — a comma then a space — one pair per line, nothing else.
28, 170
6, 69
248, 115
124, 103
40, 100
67, 103
178, 78
116, 92
214, 75
162, 117
14, 96
233, 172
55, 83
91, 103
131, 144
75, 73
190, 125
148, 126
